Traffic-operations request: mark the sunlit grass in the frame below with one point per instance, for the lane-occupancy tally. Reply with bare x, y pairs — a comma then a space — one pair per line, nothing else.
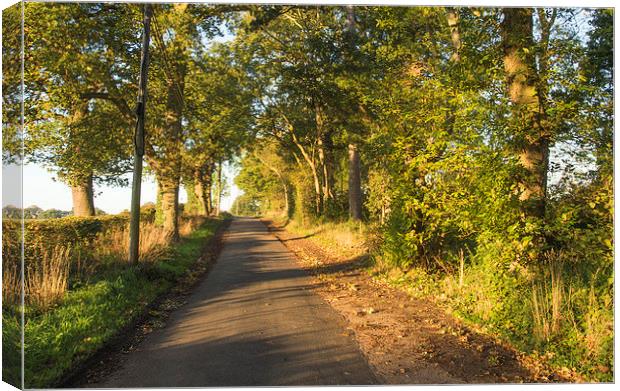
539, 310
84, 318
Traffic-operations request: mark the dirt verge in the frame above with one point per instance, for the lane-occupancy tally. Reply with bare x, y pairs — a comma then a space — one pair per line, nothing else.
407, 340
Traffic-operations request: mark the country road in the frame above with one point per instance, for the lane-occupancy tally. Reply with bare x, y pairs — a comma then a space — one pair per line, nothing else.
253, 321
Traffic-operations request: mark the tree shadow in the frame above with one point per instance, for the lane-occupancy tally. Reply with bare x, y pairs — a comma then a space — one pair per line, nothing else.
295, 358
355, 264
302, 237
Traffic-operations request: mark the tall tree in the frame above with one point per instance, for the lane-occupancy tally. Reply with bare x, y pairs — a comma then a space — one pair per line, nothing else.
81, 62
220, 121
355, 187
179, 34
523, 83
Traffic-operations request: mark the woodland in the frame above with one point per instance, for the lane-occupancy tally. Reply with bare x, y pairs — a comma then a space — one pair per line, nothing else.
470, 147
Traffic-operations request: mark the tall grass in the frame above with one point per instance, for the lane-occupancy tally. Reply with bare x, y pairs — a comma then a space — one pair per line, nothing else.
46, 280
548, 299
11, 284
189, 224
11, 281
114, 245
154, 241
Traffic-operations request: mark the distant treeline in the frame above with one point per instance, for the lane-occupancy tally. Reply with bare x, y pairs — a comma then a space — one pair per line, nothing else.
35, 212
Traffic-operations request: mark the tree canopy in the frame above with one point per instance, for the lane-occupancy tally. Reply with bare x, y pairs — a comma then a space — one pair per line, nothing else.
449, 131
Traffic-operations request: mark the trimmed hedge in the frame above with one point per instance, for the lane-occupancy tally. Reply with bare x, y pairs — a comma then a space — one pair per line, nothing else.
46, 233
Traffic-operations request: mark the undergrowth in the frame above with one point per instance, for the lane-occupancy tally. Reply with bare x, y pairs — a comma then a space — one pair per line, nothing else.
551, 312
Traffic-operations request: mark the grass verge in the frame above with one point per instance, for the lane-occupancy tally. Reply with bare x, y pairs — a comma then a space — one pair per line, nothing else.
498, 304
89, 316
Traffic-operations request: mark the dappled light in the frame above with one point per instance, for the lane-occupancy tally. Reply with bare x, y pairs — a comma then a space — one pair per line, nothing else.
345, 194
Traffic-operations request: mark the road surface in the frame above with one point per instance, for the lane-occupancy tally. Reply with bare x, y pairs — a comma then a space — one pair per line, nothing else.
254, 321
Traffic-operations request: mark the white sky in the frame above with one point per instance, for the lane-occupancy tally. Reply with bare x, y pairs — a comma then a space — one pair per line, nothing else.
40, 188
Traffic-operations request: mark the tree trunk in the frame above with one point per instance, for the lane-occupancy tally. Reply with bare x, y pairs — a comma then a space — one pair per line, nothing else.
219, 189
209, 201
311, 163
81, 182
327, 164
325, 147
317, 190
286, 202
522, 80
355, 191
453, 23
207, 180
281, 178
82, 194
170, 206
315, 177
199, 190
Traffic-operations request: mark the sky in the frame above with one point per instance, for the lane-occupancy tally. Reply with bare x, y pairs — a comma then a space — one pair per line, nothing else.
40, 188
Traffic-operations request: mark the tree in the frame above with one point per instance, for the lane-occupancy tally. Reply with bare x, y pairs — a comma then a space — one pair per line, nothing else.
598, 91
77, 122
523, 83
219, 122
180, 31
355, 190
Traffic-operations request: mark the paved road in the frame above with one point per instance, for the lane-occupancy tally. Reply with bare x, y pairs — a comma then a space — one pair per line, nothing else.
253, 321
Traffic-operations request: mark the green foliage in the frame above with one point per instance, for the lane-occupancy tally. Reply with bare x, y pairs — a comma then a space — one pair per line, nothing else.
57, 340
77, 116
442, 139
11, 84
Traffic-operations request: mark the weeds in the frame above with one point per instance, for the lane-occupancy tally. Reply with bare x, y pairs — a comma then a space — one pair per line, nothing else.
11, 284
46, 280
114, 245
547, 300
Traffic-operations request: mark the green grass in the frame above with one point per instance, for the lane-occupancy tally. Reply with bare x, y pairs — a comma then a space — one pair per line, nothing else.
57, 340
344, 238
497, 302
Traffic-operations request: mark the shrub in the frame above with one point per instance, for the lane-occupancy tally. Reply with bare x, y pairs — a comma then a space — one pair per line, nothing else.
76, 231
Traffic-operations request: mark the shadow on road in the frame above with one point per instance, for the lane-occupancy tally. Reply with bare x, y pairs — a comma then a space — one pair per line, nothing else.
255, 321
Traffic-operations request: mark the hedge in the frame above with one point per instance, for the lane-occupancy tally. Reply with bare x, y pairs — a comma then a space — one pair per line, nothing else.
77, 231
